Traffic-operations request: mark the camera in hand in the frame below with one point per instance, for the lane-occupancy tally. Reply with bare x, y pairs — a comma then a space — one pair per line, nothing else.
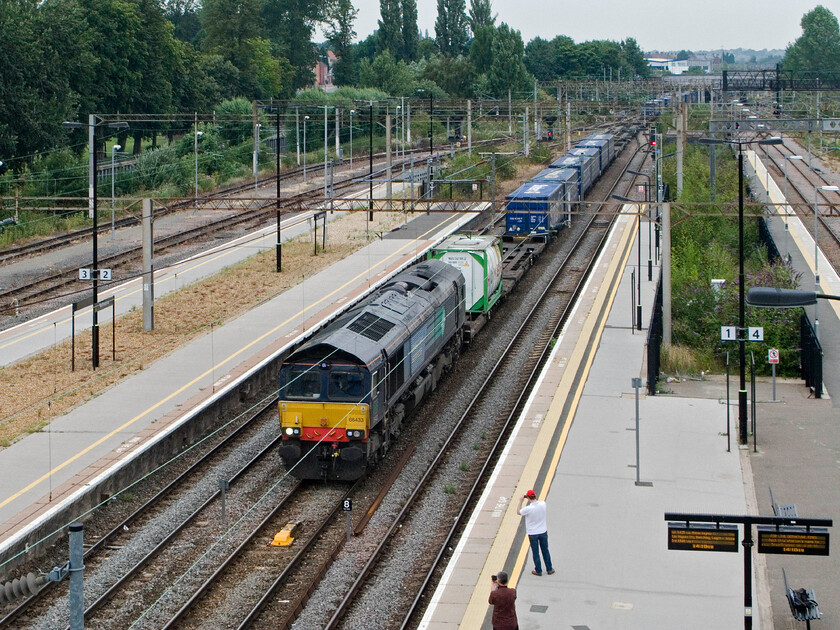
493, 578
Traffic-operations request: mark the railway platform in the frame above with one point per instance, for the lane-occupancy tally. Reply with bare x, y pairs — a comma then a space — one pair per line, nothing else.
575, 445
76, 454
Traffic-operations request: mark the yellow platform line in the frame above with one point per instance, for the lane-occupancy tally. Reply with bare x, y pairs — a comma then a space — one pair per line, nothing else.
571, 386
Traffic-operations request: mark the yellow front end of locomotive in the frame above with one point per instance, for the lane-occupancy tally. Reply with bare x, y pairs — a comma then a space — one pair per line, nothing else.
334, 422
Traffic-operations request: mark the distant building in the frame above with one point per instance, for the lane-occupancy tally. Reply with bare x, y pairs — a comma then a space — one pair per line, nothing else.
673, 66
323, 72
678, 66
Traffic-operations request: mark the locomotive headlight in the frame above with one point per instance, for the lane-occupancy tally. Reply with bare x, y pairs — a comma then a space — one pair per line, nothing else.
290, 431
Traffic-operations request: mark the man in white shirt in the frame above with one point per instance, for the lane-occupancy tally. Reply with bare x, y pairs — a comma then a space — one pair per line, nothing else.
537, 530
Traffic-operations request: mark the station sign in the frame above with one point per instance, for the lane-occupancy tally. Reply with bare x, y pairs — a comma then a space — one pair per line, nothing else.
89, 274
791, 540
703, 537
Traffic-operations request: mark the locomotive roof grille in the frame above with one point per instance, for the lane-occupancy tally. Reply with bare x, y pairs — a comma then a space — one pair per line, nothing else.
371, 326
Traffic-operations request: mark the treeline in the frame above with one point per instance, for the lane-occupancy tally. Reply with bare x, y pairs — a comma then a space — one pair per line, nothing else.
64, 59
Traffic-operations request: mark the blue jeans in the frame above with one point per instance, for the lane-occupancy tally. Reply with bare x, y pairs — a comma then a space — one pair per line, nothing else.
540, 542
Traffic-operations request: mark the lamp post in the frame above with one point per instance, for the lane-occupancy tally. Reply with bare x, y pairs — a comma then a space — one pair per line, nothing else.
771, 297
352, 111
431, 108
399, 129
91, 126
742, 391
639, 259
817, 254
278, 248
788, 158
256, 153
198, 134
650, 223
114, 149
305, 118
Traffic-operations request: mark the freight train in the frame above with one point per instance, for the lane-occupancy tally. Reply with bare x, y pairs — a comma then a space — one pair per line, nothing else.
545, 203
345, 394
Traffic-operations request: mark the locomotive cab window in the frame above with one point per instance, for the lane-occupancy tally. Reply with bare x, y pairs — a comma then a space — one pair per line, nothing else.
346, 385
303, 382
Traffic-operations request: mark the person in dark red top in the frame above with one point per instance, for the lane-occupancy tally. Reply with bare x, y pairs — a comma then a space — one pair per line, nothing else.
503, 600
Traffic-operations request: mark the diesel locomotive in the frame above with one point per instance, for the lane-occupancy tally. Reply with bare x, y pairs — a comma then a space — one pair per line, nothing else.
345, 393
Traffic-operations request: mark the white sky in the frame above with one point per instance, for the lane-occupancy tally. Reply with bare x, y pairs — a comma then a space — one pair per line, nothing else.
656, 25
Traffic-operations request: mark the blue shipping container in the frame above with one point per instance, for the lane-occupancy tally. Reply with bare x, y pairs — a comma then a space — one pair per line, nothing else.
535, 208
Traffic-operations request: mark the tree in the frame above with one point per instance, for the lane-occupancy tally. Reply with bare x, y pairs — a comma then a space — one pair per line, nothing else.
451, 27
481, 14
386, 73
228, 25
290, 24
340, 34
541, 59
390, 28
481, 48
633, 59
684, 54
410, 32
508, 70
453, 74
183, 14
568, 56
818, 48
35, 87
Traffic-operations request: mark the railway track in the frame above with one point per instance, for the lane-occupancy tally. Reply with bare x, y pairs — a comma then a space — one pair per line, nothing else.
15, 300
803, 185
164, 497
10, 254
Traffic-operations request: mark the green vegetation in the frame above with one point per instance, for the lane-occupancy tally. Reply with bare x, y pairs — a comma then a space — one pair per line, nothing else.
705, 246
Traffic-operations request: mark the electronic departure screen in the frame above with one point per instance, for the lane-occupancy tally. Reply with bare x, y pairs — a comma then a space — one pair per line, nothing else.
702, 537
796, 541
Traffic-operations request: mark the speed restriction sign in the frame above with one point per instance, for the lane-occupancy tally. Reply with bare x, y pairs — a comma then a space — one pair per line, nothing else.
773, 355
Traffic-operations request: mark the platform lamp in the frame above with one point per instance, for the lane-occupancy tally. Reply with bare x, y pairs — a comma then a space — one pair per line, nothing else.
114, 149
650, 222
305, 118
352, 111
817, 253
742, 391
431, 108
91, 126
639, 263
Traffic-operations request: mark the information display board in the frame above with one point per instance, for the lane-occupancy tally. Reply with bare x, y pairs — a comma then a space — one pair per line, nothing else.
797, 541
703, 537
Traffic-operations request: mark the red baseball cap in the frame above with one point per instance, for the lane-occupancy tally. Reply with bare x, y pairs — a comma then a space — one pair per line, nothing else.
531, 494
